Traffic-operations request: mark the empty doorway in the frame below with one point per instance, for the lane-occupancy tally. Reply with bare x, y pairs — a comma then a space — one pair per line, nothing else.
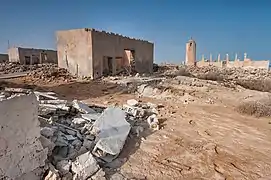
27, 60
107, 66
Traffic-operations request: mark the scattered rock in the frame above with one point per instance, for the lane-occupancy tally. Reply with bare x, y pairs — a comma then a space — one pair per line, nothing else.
63, 166
132, 102
84, 166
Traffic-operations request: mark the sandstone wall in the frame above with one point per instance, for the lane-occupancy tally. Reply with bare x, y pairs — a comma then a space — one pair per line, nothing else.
114, 45
20, 148
74, 48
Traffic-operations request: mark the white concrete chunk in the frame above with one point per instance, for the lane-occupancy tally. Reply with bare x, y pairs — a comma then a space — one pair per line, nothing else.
132, 102
84, 166
113, 131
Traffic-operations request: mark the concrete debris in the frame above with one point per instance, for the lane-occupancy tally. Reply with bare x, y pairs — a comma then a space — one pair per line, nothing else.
63, 166
132, 102
70, 134
84, 166
113, 131
82, 107
47, 132
100, 175
52, 174
153, 122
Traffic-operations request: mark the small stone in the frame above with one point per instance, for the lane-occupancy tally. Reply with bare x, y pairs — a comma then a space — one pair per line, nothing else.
79, 121
70, 137
84, 166
87, 144
77, 144
100, 175
47, 132
117, 176
46, 143
71, 132
63, 166
90, 137
52, 174
79, 135
63, 151
82, 150
132, 102
67, 176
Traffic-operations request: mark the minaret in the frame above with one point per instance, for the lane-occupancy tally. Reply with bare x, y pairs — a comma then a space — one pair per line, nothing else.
236, 57
211, 58
227, 58
245, 56
190, 56
218, 58
202, 58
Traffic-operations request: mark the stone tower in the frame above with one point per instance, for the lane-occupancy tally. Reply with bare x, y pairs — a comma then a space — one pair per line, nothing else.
190, 58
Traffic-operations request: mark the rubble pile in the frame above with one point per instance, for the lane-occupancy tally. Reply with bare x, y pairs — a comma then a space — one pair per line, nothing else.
50, 72
39, 71
231, 73
80, 139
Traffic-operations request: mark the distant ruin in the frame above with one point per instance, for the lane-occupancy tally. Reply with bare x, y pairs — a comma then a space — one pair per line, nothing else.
245, 63
29, 56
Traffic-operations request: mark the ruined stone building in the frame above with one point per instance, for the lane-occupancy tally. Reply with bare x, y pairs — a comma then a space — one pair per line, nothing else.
30, 56
92, 53
246, 63
190, 55
3, 58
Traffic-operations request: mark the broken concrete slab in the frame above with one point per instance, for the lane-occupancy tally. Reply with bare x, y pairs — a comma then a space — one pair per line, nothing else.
91, 117
82, 107
84, 166
113, 131
20, 151
46, 95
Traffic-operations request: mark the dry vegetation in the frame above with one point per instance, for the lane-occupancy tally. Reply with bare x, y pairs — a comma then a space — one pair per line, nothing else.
261, 108
263, 85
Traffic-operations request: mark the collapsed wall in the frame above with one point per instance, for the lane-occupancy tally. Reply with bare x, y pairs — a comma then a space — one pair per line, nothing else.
20, 149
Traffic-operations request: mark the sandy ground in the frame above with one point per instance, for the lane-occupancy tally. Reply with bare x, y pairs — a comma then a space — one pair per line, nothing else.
198, 140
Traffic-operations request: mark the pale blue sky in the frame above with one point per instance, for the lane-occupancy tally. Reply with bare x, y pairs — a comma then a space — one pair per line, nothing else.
218, 26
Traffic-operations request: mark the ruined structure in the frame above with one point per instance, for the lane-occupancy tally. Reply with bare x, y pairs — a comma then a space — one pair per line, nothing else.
246, 63
3, 58
190, 58
92, 53
30, 56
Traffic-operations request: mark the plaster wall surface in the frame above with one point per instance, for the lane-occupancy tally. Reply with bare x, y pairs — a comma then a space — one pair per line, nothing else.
74, 49
3, 58
20, 150
18, 54
112, 45
13, 55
